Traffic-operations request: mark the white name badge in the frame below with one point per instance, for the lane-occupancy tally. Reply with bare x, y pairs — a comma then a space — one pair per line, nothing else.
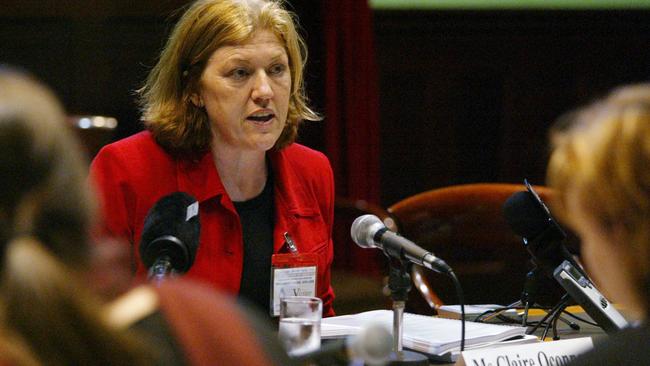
293, 281
555, 353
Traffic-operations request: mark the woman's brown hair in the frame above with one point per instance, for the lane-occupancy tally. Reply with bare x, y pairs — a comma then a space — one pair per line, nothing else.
167, 111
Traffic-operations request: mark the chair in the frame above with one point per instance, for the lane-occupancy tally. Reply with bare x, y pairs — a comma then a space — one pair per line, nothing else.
357, 273
464, 225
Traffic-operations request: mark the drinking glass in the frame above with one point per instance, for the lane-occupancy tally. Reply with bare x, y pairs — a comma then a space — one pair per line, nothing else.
299, 328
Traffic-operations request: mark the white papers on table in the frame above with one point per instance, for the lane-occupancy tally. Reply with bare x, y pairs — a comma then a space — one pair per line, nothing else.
427, 334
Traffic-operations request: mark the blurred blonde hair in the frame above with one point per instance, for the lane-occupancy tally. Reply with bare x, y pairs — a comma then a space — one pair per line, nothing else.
167, 111
45, 213
602, 158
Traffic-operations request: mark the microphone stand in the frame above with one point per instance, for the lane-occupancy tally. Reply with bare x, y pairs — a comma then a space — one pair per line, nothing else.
399, 283
529, 293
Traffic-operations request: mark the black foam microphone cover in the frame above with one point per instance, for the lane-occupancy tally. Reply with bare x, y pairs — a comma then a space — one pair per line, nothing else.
524, 215
171, 229
529, 218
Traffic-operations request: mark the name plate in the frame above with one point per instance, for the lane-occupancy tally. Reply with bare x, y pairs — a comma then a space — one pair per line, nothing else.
555, 353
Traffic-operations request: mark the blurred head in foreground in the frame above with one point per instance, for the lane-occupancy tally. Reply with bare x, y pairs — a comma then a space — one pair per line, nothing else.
600, 167
47, 314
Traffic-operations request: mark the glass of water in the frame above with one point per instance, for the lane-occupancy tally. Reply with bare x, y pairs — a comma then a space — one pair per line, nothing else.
300, 324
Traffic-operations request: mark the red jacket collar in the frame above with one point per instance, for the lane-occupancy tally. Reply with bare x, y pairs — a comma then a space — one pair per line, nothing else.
290, 187
200, 179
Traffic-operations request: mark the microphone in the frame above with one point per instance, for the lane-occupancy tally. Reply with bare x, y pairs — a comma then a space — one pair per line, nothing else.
372, 345
170, 237
528, 217
369, 232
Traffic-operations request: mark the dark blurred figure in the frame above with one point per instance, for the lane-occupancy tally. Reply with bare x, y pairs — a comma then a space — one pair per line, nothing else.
45, 211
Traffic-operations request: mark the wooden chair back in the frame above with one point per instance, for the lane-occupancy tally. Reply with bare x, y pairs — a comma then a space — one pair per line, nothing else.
464, 226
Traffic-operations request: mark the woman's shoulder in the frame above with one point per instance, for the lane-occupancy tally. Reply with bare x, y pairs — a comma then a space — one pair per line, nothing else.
304, 156
136, 162
139, 143
303, 164
137, 154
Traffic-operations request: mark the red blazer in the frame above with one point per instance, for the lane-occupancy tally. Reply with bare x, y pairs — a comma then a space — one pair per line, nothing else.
133, 173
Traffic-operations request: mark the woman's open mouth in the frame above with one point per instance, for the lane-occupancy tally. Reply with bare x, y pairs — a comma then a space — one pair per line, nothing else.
260, 117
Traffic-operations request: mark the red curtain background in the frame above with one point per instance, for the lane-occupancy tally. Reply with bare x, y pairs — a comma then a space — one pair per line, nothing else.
351, 131
351, 99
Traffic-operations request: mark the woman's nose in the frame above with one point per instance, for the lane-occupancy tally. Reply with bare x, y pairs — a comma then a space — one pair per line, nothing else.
262, 88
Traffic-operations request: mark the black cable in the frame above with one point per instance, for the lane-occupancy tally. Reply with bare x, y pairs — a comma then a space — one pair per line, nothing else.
544, 322
571, 324
581, 319
562, 302
461, 301
512, 306
479, 318
535, 323
505, 318
524, 320
511, 320
558, 317
556, 313
547, 327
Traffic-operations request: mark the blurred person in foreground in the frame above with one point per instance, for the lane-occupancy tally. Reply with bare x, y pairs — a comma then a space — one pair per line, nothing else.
221, 109
48, 311
600, 168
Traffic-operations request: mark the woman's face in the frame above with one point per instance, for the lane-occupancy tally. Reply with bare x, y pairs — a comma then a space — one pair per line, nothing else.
610, 263
245, 90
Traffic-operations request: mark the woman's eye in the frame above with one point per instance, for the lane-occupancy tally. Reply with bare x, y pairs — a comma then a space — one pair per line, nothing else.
239, 74
277, 69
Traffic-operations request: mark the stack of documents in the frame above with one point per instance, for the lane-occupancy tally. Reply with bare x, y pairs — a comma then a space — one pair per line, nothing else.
437, 337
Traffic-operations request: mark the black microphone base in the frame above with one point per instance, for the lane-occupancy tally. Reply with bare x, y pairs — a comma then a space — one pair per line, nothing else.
408, 358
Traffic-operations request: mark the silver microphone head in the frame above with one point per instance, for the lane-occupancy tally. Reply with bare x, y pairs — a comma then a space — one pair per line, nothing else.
363, 230
373, 345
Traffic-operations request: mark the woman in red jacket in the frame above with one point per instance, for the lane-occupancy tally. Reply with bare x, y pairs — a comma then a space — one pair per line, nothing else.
222, 108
